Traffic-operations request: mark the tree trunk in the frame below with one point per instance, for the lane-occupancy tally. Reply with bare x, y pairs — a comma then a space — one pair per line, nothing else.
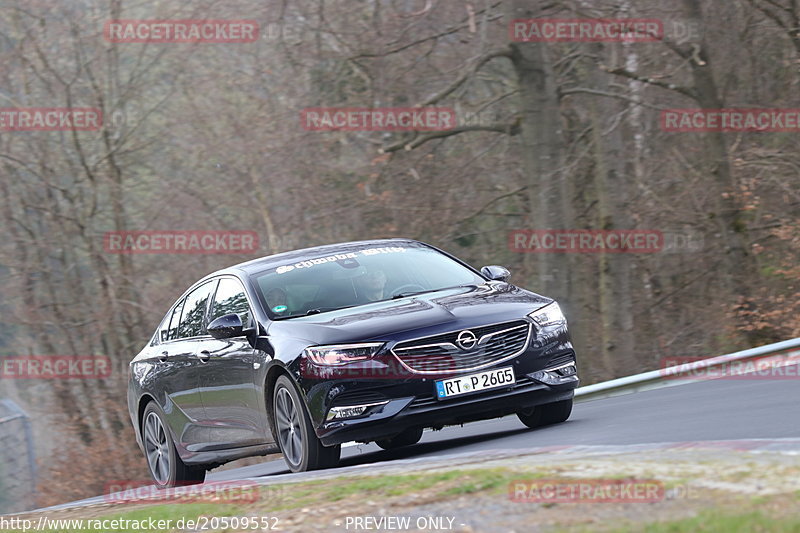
613, 187
549, 188
543, 147
739, 266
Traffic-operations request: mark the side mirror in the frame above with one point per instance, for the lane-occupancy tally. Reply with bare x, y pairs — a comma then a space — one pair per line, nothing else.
226, 326
496, 273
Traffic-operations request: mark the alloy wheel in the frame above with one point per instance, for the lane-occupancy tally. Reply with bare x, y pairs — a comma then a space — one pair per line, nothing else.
156, 448
288, 420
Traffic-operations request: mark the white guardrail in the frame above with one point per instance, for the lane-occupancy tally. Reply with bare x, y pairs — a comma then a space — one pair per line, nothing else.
762, 359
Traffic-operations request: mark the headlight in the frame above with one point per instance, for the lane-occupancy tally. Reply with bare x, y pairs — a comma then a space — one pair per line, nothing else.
342, 354
548, 316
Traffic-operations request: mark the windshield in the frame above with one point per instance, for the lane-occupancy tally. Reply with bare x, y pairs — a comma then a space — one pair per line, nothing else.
370, 274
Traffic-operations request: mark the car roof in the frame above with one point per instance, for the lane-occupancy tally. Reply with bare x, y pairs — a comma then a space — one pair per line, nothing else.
256, 265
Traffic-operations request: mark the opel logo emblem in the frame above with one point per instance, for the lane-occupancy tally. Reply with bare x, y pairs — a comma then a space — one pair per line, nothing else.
466, 340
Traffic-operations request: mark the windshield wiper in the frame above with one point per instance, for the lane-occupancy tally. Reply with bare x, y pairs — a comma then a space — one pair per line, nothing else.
319, 310
407, 294
315, 311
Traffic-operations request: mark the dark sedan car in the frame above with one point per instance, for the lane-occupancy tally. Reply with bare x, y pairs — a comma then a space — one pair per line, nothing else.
364, 341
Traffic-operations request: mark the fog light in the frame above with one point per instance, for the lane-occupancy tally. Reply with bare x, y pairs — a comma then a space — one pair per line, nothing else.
350, 411
568, 371
556, 375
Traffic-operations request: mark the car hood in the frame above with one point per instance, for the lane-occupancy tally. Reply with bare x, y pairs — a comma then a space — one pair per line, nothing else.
415, 316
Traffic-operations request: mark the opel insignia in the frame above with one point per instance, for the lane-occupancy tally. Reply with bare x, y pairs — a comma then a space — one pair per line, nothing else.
370, 341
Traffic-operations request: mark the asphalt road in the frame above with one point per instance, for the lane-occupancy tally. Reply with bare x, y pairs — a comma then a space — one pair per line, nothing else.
724, 409
717, 410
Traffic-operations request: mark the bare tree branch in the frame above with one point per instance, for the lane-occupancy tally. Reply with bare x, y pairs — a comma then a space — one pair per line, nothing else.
625, 73
502, 52
512, 128
464, 24
584, 90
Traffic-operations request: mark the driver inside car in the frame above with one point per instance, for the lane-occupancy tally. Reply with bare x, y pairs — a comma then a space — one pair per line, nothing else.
277, 300
371, 286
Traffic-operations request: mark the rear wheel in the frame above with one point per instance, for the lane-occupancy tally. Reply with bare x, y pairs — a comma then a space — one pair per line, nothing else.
302, 449
166, 466
546, 414
404, 438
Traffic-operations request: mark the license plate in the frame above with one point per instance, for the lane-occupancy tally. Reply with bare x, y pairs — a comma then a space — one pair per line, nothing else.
498, 377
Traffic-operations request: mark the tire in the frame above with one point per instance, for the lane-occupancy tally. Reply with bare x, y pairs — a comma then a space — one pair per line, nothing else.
546, 414
301, 448
165, 465
404, 438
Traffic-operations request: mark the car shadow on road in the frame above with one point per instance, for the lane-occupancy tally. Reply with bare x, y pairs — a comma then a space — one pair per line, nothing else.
370, 453
451, 445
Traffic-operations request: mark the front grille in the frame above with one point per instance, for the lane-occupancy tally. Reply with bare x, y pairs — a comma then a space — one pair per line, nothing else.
440, 355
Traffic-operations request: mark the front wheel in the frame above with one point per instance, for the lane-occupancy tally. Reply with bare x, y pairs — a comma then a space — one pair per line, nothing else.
166, 466
302, 449
546, 414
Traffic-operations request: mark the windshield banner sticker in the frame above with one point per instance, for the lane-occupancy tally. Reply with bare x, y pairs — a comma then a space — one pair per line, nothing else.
339, 257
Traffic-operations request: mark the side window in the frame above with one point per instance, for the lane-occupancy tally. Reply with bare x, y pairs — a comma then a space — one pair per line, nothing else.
171, 324
230, 298
194, 311
163, 330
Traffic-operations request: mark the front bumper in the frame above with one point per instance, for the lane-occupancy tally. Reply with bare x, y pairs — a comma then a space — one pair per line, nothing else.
540, 379
404, 413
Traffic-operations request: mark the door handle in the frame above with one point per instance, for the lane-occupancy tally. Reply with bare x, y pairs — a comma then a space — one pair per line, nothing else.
203, 355
163, 357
